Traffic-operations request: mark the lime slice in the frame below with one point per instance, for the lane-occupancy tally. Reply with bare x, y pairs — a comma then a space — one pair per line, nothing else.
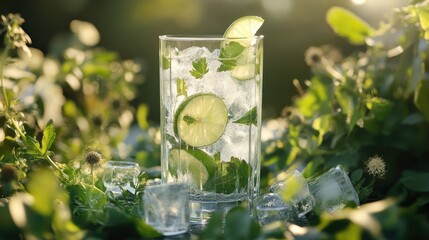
194, 165
201, 119
243, 72
244, 27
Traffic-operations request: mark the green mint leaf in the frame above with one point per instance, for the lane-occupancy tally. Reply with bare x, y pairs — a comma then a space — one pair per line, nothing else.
248, 118
228, 55
243, 171
189, 120
227, 65
236, 176
200, 68
231, 50
165, 63
48, 137
181, 87
217, 157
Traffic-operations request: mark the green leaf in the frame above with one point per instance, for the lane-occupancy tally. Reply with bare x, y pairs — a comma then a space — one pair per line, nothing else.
146, 230
356, 175
33, 146
48, 137
318, 99
322, 125
231, 50
248, 118
348, 25
421, 98
189, 120
45, 189
142, 114
228, 56
236, 172
380, 107
181, 87
248, 228
214, 228
227, 65
415, 180
200, 68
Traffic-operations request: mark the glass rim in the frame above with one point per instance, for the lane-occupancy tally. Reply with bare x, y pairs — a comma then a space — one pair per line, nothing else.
204, 37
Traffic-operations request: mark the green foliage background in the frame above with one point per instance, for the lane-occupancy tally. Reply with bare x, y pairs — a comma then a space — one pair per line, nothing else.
371, 104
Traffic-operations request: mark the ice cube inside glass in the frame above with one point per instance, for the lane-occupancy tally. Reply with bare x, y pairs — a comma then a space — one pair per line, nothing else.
333, 190
295, 191
120, 176
166, 207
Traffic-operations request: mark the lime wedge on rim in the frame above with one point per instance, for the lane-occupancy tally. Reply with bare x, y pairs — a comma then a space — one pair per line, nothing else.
201, 119
193, 164
244, 27
241, 31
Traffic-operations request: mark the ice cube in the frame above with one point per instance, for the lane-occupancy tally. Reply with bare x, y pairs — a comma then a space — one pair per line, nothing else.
333, 190
294, 189
269, 208
236, 142
119, 176
166, 207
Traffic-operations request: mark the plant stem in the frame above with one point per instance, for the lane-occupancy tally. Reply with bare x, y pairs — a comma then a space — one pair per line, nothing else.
92, 175
56, 167
17, 128
2, 63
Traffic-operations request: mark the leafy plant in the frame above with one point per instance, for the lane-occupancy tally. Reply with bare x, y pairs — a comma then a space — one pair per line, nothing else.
365, 112
62, 118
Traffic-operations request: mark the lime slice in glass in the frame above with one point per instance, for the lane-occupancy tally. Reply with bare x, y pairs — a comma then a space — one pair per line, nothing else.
243, 72
194, 165
201, 119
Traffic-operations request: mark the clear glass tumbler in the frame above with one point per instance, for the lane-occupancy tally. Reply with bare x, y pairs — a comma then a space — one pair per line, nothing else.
211, 98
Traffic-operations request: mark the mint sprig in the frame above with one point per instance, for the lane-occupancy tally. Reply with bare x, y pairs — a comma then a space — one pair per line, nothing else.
200, 68
236, 175
228, 55
248, 118
181, 87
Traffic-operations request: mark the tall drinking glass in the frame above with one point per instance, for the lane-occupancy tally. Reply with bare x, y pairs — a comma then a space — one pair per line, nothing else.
211, 97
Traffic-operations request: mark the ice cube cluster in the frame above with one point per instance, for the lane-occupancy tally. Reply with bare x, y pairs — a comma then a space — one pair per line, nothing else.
293, 198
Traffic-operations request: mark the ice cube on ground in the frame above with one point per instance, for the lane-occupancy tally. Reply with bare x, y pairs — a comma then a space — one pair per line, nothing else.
333, 190
269, 208
119, 176
166, 207
296, 190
